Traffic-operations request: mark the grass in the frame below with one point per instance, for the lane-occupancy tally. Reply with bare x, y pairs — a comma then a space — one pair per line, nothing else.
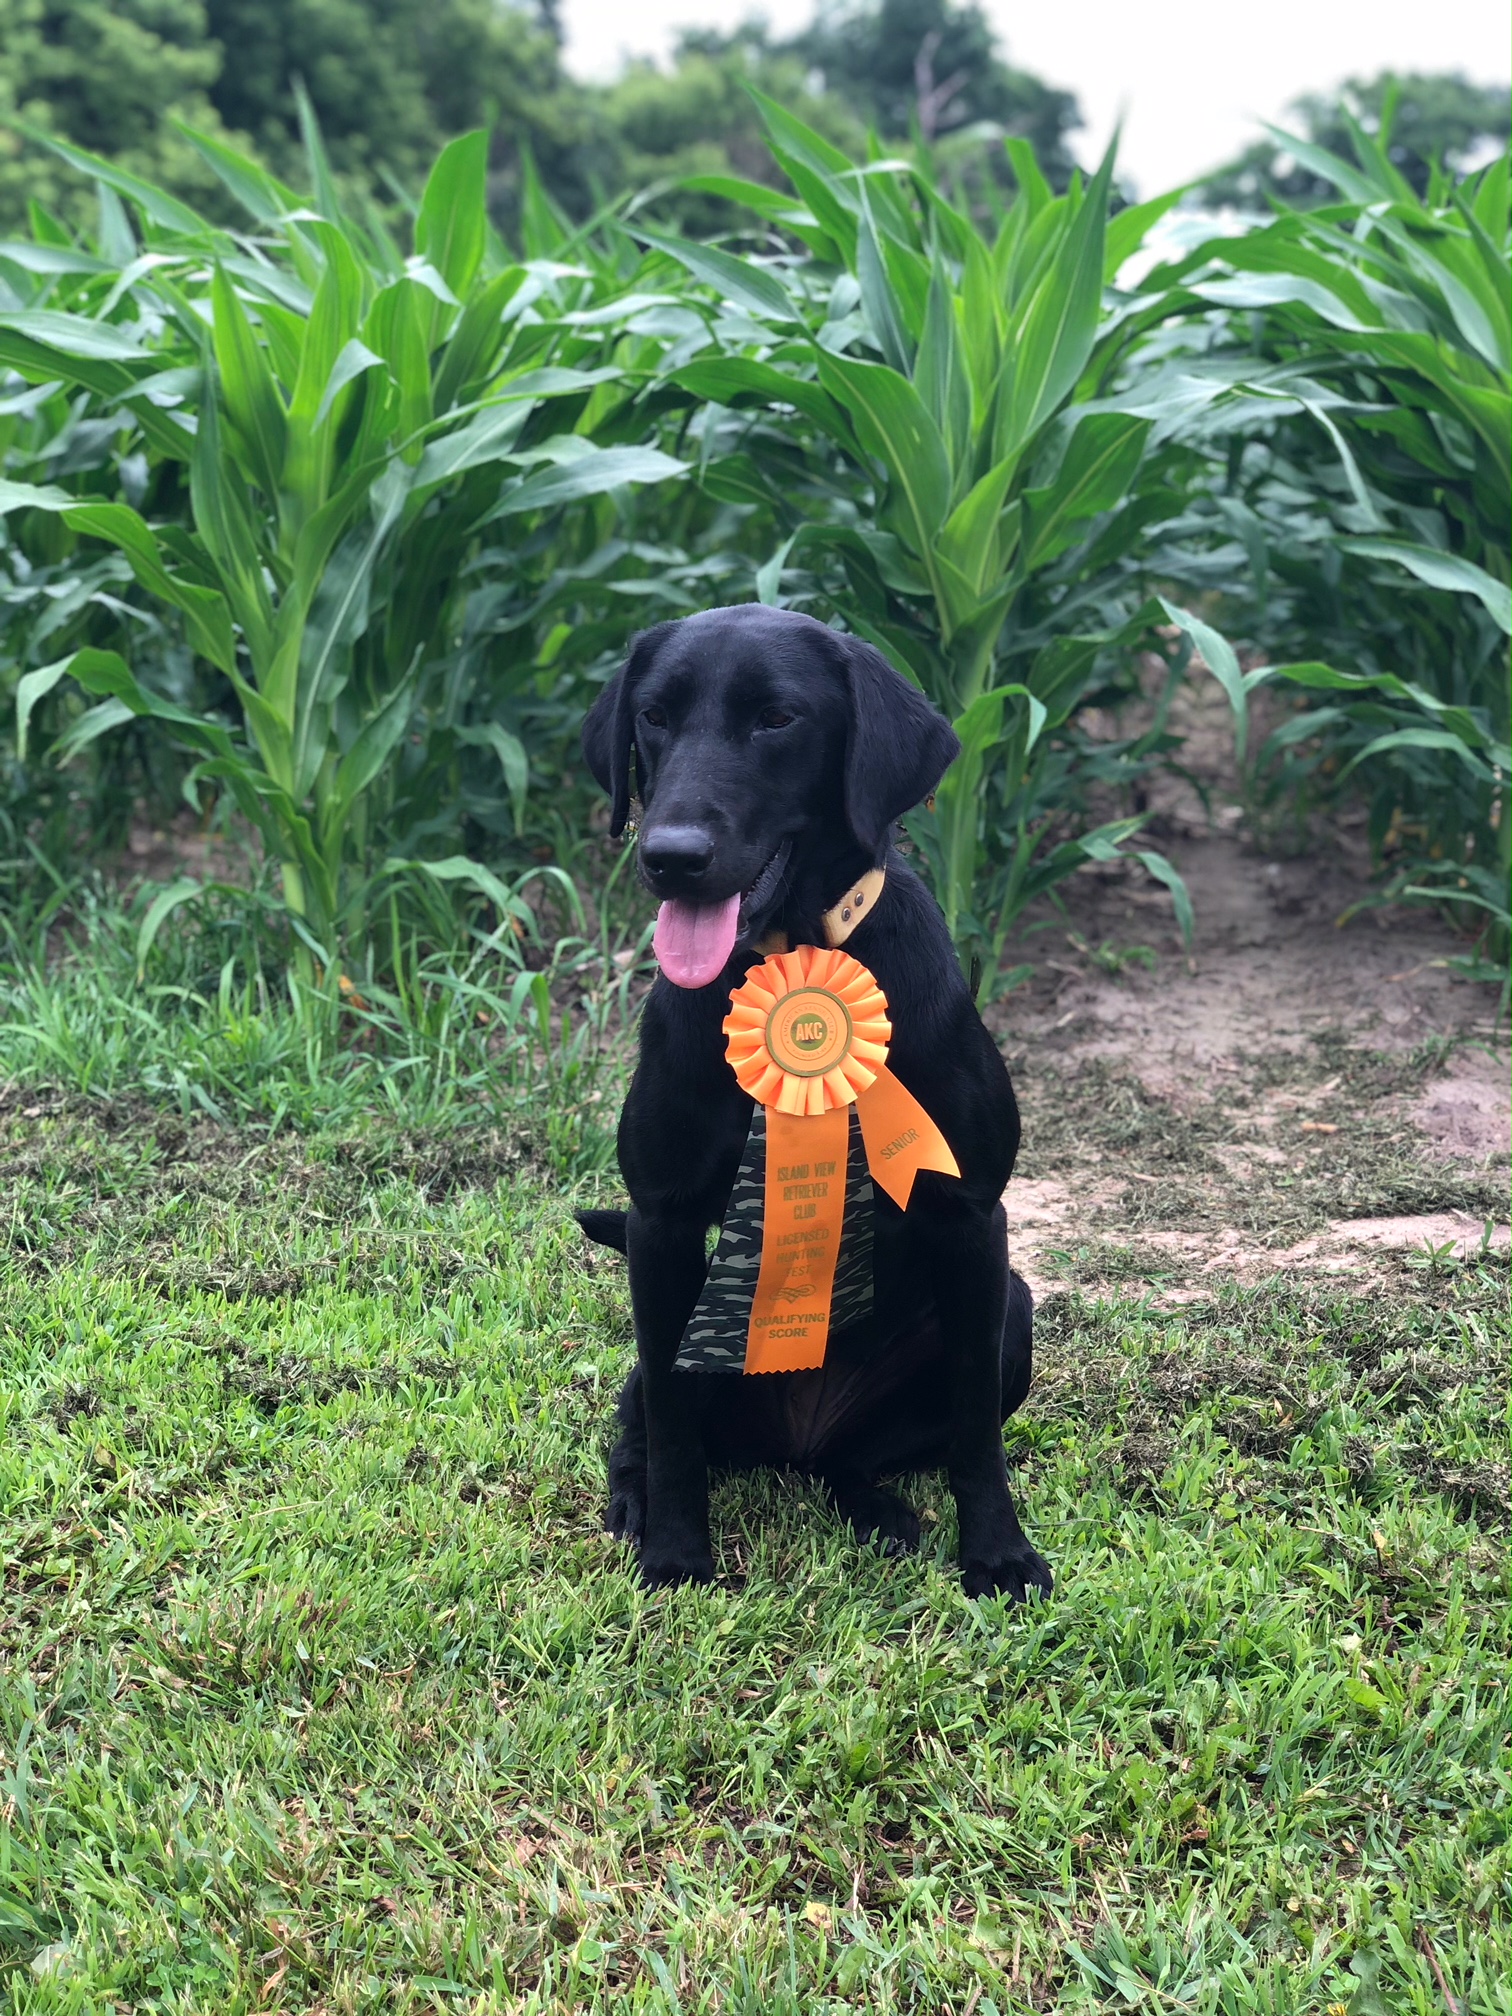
525, 1027
322, 1691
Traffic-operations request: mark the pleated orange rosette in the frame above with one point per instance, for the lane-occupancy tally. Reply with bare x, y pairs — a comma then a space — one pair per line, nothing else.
807, 1030
807, 1037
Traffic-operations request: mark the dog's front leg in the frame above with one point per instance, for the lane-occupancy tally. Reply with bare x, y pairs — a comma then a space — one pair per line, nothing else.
667, 1267
969, 1262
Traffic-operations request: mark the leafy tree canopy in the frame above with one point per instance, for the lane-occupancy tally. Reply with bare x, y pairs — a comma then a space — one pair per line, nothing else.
392, 80
103, 73
1423, 120
697, 118
925, 70
934, 67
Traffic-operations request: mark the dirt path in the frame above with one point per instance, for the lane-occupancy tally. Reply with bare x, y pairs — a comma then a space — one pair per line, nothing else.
1300, 1096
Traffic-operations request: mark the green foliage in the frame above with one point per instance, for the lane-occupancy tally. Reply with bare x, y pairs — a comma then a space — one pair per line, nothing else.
931, 67
57, 595
348, 538
1365, 520
343, 426
187, 996
106, 74
695, 122
392, 80
938, 468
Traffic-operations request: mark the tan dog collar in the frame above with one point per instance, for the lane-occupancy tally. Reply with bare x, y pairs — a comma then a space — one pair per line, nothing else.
854, 907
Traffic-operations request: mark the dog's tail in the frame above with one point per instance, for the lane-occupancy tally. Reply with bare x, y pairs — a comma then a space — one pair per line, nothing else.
604, 1228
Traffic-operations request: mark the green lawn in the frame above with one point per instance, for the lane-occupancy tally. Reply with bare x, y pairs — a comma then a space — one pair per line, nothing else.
323, 1691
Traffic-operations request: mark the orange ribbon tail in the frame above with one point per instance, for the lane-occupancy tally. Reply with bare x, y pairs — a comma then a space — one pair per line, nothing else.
807, 1036
900, 1138
800, 1239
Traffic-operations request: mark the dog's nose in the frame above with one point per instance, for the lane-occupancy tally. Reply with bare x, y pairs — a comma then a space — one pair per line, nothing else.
676, 850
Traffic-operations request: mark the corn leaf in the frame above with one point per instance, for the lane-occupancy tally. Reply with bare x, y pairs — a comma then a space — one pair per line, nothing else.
449, 230
370, 752
513, 761
474, 346
106, 674
76, 338
261, 194
942, 375
878, 299
751, 287
1058, 325
970, 536
1443, 570
816, 170
736, 381
224, 519
159, 910
1101, 455
892, 424
154, 203
589, 475
253, 404
209, 620
1218, 655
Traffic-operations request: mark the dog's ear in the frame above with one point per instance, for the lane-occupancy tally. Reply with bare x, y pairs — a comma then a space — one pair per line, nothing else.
609, 730
898, 747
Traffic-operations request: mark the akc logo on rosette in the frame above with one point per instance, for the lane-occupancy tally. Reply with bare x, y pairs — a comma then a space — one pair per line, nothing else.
807, 1031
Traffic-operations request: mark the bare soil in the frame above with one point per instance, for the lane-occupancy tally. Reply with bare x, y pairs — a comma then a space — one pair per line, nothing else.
1302, 1096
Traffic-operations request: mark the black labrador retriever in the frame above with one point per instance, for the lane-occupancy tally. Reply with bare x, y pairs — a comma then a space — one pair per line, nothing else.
772, 758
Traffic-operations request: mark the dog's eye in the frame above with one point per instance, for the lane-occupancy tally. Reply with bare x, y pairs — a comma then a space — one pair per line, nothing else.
654, 717
773, 717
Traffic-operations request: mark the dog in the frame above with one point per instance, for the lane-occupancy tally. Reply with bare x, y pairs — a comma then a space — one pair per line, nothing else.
773, 757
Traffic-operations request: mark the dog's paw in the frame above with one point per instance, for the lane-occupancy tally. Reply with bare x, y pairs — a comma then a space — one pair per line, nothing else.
667, 1567
881, 1518
1014, 1574
625, 1514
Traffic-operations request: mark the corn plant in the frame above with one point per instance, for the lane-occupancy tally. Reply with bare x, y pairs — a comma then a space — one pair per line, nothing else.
1362, 522
52, 600
968, 501
331, 426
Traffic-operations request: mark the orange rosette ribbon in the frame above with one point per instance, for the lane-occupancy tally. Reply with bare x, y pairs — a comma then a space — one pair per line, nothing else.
807, 1036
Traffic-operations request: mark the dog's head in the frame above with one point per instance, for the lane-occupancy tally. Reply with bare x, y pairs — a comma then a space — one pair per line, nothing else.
759, 739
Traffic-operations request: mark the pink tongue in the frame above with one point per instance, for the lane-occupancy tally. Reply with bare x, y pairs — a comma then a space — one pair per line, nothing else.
694, 940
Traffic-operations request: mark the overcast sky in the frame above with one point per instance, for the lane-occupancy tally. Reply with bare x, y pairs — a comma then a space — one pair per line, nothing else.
1192, 78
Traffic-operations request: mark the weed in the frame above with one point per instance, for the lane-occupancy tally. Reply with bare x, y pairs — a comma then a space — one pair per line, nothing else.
1114, 960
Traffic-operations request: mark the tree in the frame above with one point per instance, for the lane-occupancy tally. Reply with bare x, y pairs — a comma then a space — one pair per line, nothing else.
1422, 121
934, 66
698, 119
924, 69
392, 80
105, 74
